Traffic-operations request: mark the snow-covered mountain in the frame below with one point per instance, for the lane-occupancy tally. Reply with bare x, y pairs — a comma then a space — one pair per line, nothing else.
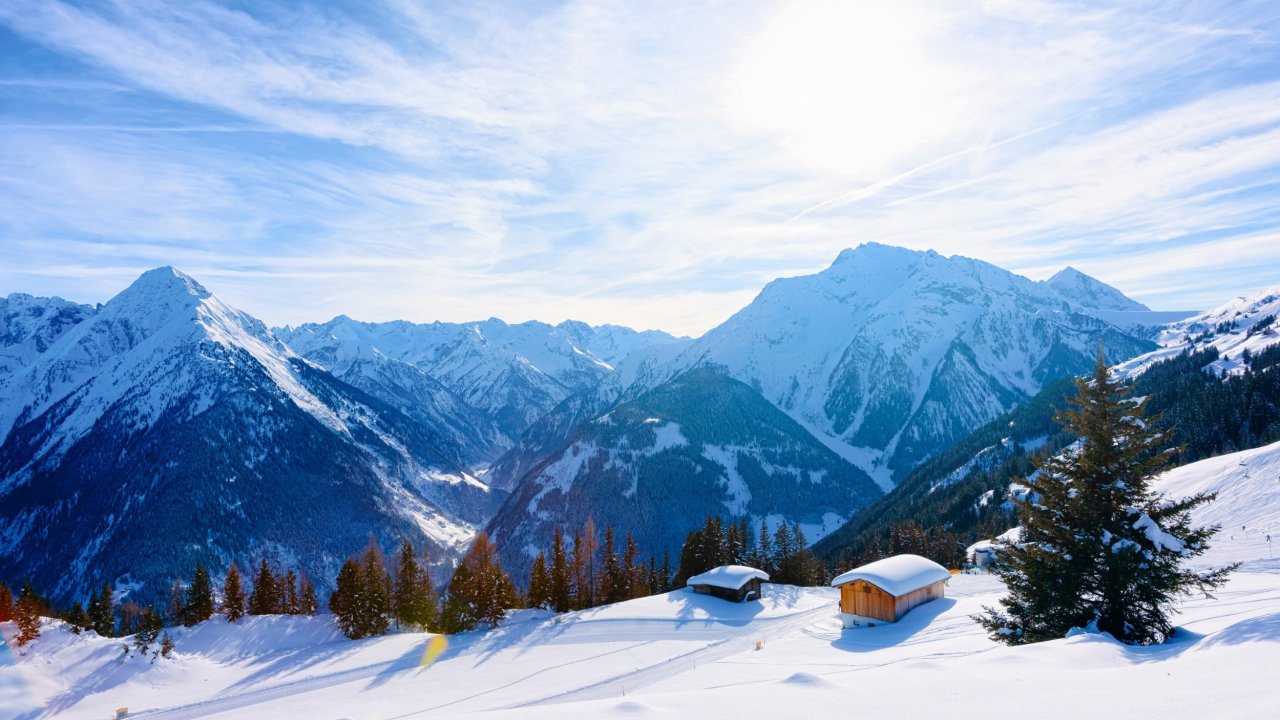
702, 444
1233, 329
890, 355
29, 325
514, 374
1091, 293
168, 428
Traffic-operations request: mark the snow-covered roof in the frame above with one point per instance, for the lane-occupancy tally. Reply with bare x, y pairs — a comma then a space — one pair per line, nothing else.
730, 577
897, 575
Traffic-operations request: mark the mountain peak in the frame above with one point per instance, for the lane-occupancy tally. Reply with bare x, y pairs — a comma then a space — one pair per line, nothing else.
168, 281
1091, 292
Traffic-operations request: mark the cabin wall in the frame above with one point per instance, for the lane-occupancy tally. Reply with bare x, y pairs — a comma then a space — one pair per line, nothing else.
862, 598
865, 600
904, 604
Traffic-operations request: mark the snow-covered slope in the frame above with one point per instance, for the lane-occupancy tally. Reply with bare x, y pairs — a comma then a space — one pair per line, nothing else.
1246, 324
657, 466
891, 355
512, 373
1091, 293
1247, 507
169, 428
29, 325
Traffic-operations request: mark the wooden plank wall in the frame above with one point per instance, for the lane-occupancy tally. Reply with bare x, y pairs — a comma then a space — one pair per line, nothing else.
862, 598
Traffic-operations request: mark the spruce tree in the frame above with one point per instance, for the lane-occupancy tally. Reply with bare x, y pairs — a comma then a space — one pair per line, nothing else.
287, 587
6, 603
612, 583
764, 550
1098, 547
631, 571
561, 592
27, 615
103, 613
264, 600
77, 618
233, 595
412, 598
308, 604
578, 573
376, 610
346, 601
664, 574
166, 644
480, 591
199, 606
148, 630
539, 595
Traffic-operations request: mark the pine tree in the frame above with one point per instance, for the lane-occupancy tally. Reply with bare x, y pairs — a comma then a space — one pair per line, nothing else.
664, 575
480, 591
346, 601
287, 587
102, 613
631, 570
1098, 546
539, 595
561, 598
264, 600
177, 600
412, 598
77, 618
199, 606
307, 602
166, 644
376, 612
578, 574
148, 630
233, 595
612, 583
27, 615
764, 550
6, 603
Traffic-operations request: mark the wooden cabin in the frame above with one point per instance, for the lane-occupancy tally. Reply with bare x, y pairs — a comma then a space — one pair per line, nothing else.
885, 590
734, 583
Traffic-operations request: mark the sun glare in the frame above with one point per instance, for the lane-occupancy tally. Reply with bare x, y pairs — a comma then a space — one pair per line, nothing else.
846, 87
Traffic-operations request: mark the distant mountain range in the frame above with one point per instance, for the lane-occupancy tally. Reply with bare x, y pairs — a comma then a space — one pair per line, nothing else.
165, 427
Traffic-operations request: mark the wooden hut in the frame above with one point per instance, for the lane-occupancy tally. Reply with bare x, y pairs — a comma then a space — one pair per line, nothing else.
735, 583
885, 590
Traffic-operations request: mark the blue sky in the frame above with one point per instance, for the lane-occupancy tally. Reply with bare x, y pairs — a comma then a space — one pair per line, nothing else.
644, 163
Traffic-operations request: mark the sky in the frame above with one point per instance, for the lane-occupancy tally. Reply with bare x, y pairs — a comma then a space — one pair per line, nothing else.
651, 164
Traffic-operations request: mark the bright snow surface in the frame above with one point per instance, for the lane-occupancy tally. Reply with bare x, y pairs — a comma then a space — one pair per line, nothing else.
897, 575
685, 655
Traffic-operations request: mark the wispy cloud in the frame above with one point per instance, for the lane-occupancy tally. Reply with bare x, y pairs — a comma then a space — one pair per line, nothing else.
652, 164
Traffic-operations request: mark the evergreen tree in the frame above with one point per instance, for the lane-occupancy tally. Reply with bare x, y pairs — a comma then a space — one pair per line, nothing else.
480, 591
27, 615
376, 611
631, 575
539, 583
6, 603
1098, 546
177, 600
664, 574
612, 583
560, 590
764, 551
412, 598
148, 630
77, 618
308, 604
233, 595
578, 573
346, 601
287, 589
264, 600
166, 644
102, 613
199, 605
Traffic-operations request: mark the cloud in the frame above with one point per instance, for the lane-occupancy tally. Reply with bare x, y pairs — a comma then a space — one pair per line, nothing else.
650, 164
